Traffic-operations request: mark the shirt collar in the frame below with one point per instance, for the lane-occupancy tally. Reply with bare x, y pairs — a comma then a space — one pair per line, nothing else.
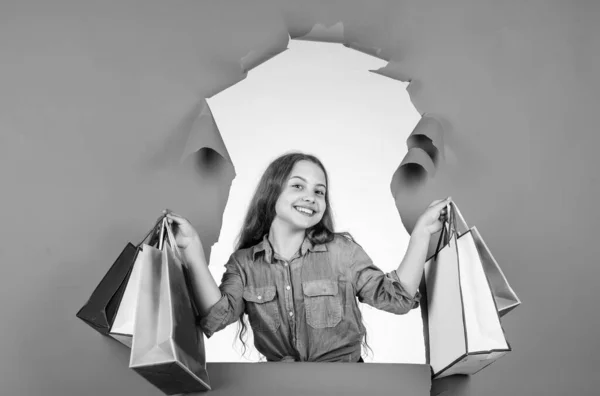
265, 246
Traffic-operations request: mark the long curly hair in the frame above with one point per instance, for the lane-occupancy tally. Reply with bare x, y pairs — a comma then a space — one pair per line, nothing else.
261, 213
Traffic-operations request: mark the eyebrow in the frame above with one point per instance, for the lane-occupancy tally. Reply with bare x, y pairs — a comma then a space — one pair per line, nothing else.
304, 180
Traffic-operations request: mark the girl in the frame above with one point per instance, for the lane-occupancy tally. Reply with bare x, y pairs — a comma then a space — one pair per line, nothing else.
297, 279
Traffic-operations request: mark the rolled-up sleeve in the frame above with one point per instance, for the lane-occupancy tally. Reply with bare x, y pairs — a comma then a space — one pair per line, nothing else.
231, 304
381, 290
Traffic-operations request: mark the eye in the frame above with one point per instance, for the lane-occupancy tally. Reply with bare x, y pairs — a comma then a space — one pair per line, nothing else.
322, 193
296, 186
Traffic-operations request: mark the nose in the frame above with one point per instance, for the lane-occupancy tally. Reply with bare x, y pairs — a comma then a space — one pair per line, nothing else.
309, 198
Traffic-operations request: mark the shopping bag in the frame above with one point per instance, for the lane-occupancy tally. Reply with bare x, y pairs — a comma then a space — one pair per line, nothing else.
464, 332
122, 326
101, 308
505, 297
168, 347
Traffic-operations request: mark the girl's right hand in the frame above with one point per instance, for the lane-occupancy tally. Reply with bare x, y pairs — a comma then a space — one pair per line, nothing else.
185, 235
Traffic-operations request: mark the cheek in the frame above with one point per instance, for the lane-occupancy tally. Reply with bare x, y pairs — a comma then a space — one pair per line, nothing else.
279, 206
323, 207
322, 204
283, 205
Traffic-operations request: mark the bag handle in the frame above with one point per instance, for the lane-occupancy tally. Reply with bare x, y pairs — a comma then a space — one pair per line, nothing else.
446, 227
463, 222
449, 229
170, 238
452, 211
152, 231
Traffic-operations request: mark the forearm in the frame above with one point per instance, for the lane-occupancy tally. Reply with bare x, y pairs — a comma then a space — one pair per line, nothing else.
410, 270
205, 290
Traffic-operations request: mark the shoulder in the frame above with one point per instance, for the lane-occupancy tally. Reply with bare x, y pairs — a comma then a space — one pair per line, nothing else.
242, 256
343, 243
342, 239
248, 254
348, 253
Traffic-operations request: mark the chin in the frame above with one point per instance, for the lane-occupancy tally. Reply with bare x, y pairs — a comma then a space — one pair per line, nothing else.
311, 224
306, 224
303, 226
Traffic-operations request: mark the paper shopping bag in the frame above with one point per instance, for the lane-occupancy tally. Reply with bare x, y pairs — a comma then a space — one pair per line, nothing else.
505, 297
122, 327
168, 347
101, 308
464, 332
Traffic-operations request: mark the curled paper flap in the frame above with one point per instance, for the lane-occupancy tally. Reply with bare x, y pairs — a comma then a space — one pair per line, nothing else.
204, 133
428, 135
377, 52
393, 71
420, 157
319, 32
256, 57
414, 169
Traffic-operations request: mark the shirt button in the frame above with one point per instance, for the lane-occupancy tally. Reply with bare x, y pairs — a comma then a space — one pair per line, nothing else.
285, 264
291, 313
287, 287
259, 297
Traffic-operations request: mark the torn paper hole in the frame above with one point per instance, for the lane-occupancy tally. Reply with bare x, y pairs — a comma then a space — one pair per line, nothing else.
320, 98
260, 55
369, 50
393, 71
226, 84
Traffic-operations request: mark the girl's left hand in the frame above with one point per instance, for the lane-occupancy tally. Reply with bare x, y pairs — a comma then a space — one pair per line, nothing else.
433, 219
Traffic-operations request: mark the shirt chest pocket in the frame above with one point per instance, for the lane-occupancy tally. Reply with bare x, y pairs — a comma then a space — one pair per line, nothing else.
262, 308
322, 302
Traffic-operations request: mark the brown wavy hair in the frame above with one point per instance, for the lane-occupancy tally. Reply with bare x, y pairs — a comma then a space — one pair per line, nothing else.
261, 213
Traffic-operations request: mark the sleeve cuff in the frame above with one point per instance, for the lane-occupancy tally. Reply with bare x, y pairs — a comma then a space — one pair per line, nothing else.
413, 300
214, 318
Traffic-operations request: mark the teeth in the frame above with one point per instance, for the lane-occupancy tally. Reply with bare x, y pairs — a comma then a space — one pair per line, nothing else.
304, 210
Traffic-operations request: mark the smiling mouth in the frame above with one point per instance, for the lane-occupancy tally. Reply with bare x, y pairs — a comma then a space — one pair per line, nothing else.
304, 211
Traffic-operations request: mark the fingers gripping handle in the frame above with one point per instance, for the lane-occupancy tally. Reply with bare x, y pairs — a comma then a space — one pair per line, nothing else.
449, 230
170, 238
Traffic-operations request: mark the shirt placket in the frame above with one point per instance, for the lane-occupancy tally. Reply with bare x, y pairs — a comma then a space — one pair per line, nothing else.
289, 298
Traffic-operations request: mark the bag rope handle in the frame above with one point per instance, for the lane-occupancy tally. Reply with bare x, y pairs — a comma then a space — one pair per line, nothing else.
171, 239
152, 231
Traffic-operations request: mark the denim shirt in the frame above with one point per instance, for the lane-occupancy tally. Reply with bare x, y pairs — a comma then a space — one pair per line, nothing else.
305, 309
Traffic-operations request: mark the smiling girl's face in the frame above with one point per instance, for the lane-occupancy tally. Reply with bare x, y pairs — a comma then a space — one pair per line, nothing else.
302, 201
